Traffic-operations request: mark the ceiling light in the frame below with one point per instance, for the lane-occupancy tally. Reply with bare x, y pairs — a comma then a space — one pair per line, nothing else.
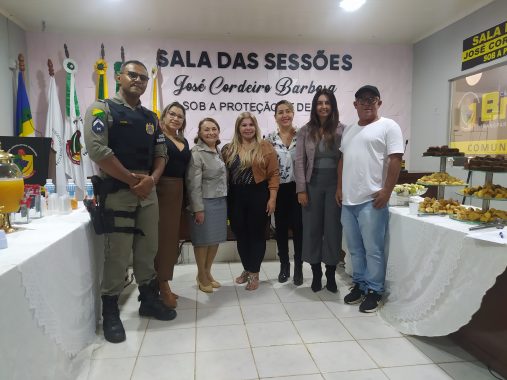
472, 80
351, 5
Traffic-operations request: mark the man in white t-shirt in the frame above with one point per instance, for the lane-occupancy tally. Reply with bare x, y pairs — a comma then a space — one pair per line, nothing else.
367, 172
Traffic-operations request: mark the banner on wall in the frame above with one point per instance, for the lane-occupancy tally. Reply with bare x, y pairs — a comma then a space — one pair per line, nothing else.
230, 82
485, 46
222, 79
31, 155
479, 112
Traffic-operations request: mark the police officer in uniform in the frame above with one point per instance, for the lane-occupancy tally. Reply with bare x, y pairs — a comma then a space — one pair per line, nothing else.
124, 140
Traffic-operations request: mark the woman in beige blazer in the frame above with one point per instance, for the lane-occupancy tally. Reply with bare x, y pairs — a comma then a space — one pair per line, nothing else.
206, 181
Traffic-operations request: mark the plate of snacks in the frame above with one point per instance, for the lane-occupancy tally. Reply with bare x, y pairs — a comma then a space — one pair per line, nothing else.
432, 206
440, 179
491, 192
409, 189
442, 151
488, 164
475, 215
402, 193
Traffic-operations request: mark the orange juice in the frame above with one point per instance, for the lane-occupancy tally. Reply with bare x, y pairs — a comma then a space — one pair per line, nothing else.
11, 192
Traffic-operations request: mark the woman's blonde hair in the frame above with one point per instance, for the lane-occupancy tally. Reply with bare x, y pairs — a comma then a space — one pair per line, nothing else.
246, 158
291, 109
285, 103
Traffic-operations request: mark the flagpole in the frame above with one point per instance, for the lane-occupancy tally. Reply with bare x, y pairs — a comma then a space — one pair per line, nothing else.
21, 65
51, 69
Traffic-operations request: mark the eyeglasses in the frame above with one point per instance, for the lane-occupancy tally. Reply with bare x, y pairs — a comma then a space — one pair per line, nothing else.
368, 101
175, 115
134, 76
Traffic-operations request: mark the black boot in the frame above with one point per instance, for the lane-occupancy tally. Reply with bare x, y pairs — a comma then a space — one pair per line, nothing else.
284, 272
317, 277
151, 305
112, 326
298, 273
330, 276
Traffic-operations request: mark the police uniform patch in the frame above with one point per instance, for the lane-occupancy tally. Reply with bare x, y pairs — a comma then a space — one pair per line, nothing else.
98, 126
160, 138
97, 112
150, 128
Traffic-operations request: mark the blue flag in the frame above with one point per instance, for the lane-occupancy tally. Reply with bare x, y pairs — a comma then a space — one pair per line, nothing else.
24, 122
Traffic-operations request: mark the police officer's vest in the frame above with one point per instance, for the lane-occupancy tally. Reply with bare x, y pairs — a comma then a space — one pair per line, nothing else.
132, 136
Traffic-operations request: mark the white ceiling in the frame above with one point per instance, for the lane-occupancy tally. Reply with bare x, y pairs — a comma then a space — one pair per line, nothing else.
379, 21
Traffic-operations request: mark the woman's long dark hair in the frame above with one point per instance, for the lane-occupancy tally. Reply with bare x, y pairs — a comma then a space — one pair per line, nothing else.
329, 126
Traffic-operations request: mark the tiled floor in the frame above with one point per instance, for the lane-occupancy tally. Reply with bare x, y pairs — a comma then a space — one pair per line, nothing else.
277, 332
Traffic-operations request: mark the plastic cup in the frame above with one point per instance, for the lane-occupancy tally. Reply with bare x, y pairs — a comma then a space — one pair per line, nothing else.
64, 206
413, 208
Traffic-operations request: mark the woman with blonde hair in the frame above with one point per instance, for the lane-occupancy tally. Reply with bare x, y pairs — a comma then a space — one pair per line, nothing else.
254, 179
170, 198
206, 181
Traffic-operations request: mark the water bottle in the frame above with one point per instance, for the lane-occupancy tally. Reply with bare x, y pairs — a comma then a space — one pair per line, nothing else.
71, 191
51, 197
50, 187
89, 198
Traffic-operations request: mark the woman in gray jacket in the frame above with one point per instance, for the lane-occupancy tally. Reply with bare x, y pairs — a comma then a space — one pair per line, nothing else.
206, 182
317, 156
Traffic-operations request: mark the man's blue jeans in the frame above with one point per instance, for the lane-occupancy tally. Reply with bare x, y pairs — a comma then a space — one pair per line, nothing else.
365, 229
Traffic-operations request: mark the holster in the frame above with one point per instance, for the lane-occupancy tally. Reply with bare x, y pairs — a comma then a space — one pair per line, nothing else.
103, 218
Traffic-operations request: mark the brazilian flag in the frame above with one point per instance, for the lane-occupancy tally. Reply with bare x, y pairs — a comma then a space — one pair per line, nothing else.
24, 122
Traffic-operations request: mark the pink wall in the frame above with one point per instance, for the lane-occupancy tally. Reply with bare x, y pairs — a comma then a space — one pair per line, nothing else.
388, 67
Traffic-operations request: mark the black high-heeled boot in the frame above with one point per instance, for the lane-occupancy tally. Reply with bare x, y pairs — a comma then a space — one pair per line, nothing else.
330, 276
317, 277
284, 272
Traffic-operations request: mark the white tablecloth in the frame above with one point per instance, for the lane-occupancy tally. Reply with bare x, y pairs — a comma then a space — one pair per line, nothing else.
48, 292
437, 272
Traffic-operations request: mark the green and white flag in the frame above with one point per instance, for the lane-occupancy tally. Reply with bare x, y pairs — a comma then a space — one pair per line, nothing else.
117, 67
78, 165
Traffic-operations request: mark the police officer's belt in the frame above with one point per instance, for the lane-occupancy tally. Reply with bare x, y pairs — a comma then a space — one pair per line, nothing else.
102, 218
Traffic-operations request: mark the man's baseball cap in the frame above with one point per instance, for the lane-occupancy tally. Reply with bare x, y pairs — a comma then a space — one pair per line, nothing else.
367, 88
